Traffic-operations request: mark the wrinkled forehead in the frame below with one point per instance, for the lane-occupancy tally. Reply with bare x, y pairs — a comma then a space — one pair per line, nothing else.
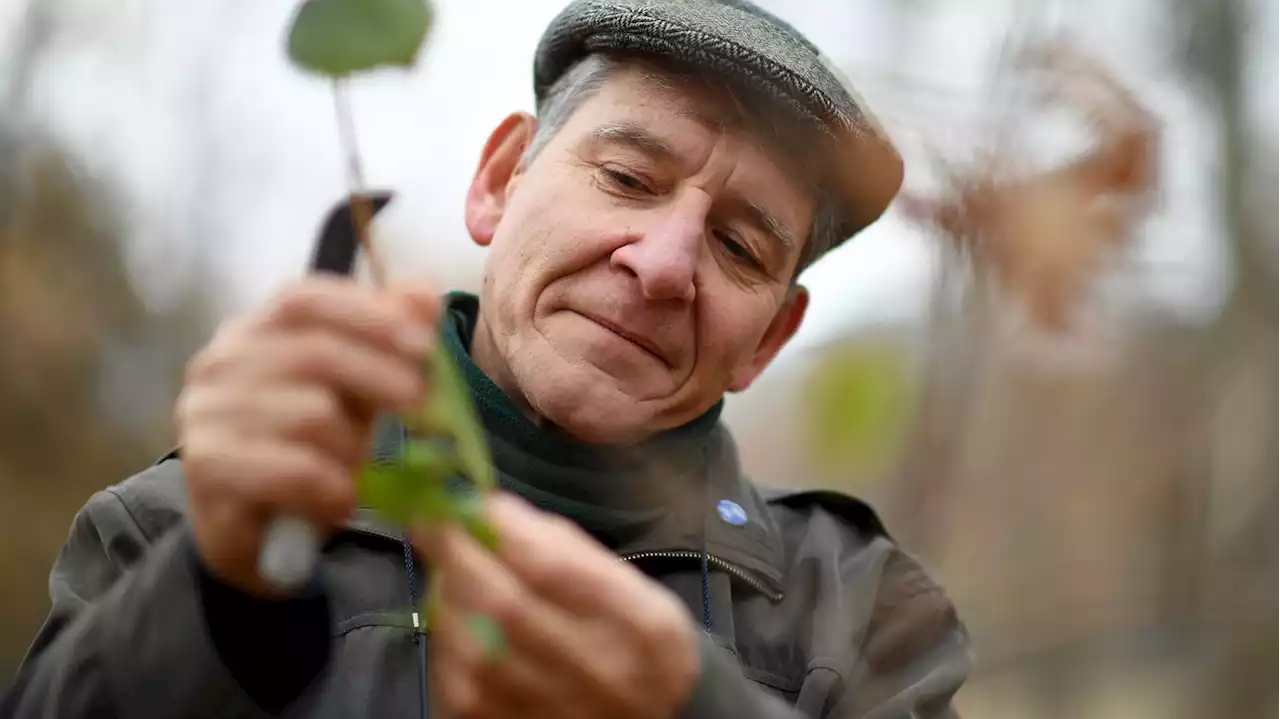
693, 112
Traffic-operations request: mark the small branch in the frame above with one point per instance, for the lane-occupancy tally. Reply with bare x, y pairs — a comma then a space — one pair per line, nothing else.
360, 211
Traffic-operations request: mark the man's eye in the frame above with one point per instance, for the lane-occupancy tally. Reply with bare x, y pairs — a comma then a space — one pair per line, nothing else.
625, 181
737, 249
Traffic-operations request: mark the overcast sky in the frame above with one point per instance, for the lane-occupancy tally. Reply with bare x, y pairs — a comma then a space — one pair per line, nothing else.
220, 145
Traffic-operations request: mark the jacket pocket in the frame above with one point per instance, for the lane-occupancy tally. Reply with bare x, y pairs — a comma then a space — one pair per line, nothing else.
373, 672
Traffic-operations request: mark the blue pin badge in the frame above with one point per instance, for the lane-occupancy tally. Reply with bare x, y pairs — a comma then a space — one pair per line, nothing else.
731, 512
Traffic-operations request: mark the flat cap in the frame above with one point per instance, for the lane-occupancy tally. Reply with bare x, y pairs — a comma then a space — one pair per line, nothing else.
741, 41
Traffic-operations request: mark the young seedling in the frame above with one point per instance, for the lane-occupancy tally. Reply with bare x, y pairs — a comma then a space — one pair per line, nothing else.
446, 467
340, 38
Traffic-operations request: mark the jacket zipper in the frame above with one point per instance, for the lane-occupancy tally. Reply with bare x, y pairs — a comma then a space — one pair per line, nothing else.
712, 560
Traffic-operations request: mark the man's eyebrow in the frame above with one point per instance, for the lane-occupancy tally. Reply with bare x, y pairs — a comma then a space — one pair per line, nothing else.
768, 222
637, 138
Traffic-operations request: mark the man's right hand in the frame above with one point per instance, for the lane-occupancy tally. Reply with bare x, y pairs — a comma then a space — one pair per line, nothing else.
277, 411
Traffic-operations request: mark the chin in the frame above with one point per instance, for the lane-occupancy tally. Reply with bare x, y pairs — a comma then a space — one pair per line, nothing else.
594, 405
592, 415
592, 411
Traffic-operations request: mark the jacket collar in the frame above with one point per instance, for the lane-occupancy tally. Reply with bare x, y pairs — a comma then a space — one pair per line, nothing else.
728, 511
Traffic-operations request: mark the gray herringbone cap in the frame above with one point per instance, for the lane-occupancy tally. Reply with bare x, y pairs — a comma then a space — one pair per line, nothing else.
743, 42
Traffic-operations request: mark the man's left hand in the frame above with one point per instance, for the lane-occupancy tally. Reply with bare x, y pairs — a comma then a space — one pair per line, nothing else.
584, 635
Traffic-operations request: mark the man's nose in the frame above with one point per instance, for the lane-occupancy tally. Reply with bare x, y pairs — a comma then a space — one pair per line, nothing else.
665, 257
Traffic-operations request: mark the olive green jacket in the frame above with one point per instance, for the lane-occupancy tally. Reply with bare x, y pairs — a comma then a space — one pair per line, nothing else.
814, 611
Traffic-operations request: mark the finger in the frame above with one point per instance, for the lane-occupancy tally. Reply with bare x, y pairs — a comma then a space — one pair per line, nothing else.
401, 320
454, 662
473, 579
476, 582
309, 414
590, 651
503, 683
560, 562
559, 669
270, 474
575, 576
362, 372
419, 300
452, 678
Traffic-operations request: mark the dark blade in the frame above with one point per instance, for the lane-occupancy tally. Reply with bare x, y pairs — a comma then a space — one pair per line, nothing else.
336, 247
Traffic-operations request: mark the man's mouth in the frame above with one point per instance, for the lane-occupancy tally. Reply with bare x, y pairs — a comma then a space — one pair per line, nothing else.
642, 342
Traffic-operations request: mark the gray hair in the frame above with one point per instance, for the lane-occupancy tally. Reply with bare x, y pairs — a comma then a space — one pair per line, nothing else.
586, 77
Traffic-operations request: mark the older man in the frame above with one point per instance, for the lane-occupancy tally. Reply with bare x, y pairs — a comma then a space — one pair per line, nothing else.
645, 233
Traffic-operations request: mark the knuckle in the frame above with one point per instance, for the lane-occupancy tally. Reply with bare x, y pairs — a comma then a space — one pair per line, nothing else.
314, 354
183, 409
211, 359
342, 497
195, 455
459, 696
316, 411
332, 506
505, 608
544, 570
399, 378
187, 419
661, 622
202, 364
297, 301
564, 528
299, 471
556, 574
314, 473
196, 367
650, 626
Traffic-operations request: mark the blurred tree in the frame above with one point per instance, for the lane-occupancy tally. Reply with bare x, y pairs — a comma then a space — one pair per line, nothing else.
70, 316
1048, 465
1236, 547
87, 371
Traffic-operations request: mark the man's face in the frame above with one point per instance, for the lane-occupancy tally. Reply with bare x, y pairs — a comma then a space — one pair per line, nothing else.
639, 266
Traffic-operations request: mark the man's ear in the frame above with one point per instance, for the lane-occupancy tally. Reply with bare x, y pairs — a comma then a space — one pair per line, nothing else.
780, 331
499, 168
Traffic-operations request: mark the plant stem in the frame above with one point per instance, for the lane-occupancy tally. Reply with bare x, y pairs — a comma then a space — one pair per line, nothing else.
360, 211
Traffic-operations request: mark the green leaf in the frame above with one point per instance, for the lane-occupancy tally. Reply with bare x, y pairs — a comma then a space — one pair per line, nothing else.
389, 490
449, 412
449, 445
469, 512
403, 494
429, 460
340, 37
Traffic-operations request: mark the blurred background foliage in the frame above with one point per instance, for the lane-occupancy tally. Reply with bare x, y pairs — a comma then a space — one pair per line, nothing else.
1093, 479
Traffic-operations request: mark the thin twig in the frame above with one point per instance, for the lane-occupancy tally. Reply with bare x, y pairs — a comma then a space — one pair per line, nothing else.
360, 211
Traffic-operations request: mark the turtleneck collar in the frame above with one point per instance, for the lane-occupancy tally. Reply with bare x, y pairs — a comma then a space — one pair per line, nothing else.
613, 492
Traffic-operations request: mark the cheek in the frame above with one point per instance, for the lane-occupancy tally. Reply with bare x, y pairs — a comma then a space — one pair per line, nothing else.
552, 231
542, 238
730, 331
